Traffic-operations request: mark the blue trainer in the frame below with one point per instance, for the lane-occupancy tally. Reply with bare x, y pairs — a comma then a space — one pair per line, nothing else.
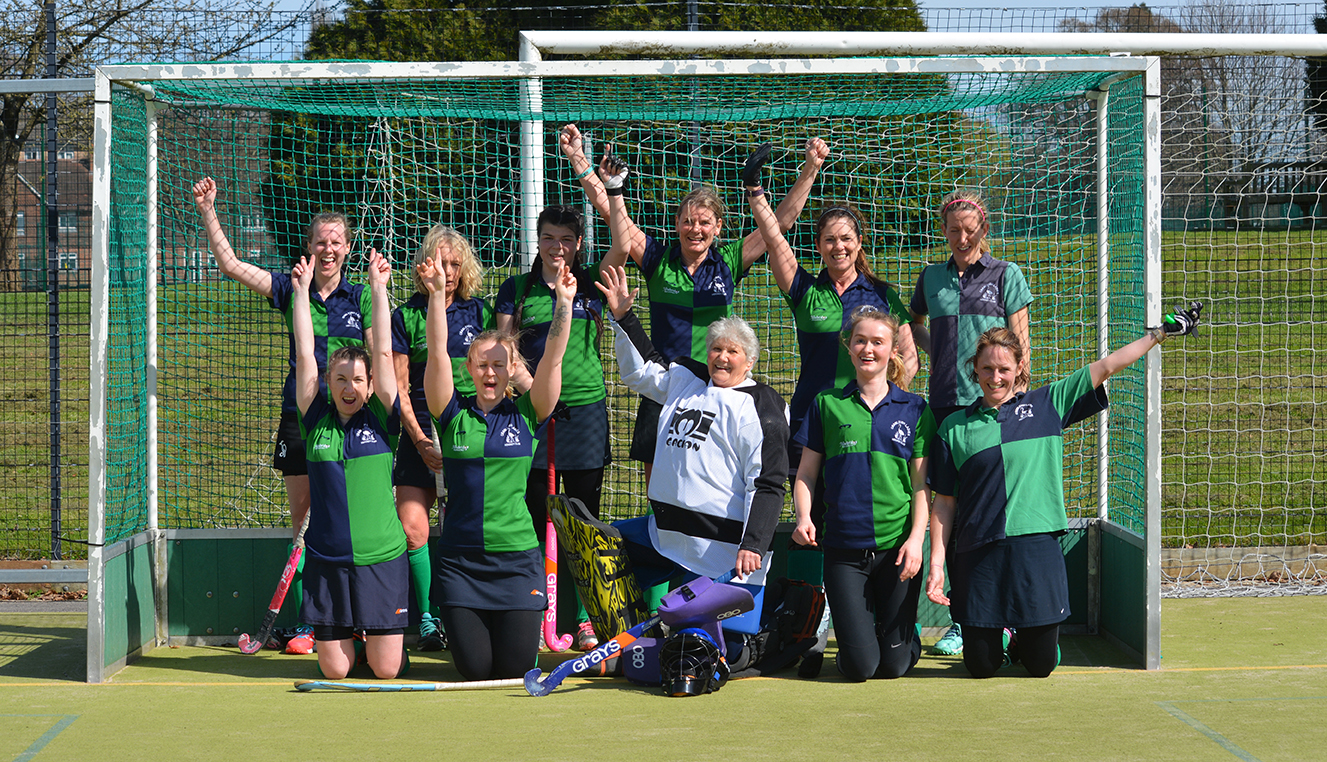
952, 642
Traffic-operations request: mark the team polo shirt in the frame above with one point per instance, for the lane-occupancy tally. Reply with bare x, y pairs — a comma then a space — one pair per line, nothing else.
354, 520
465, 321
582, 370
821, 315
1005, 465
486, 460
868, 489
683, 305
960, 310
338, 321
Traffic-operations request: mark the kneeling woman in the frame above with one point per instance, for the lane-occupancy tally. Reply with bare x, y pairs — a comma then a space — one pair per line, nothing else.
871, 438
489, 575
721, 456
356, 575
998, 476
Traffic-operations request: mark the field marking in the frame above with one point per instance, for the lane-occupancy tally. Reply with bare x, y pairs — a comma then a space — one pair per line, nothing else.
1220, 740
36, 746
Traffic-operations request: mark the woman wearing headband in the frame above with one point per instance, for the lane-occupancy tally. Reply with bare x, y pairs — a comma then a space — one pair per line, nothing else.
822, 305
962, 298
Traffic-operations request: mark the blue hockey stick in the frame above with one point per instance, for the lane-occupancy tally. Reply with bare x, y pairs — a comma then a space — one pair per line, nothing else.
536, 687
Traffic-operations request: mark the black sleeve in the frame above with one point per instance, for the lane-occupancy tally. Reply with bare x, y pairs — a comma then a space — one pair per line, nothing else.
767, 503
630, 325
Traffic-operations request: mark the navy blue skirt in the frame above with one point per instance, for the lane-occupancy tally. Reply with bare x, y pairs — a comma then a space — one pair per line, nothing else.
512, 581
1015, 582
580, 442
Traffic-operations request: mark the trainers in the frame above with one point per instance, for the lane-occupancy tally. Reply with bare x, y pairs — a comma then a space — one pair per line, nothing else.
1010, 637
302, 642
431, 636
951, 644
586, 640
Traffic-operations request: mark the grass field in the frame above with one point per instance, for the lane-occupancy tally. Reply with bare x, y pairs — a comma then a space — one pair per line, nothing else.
1242, 679
1243, 463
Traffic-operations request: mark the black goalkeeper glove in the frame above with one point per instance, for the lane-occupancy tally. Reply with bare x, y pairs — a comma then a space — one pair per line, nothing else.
1182, 321
613, 172
754, 163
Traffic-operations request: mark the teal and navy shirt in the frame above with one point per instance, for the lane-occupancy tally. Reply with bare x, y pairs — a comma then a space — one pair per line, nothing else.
339, 321
868, 490
960, 310
821, 315
582, 370
683, 305
486, 460
465, 321
354, 520
1005, 465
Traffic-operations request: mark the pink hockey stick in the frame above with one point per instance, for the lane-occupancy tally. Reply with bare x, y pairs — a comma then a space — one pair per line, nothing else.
555, 644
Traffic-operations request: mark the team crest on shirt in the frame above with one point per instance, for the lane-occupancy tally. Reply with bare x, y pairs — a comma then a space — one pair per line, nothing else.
718, 287
366, 436
511, 436
1023, 411
689, 428
352, 321
467, 334
902, 432
990, 293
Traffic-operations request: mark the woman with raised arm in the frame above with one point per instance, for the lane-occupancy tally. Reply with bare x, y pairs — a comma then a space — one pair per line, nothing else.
823, 305
869, 441
722, 447
341, 316
691, 281
997, 470
525, 305
963, 297
489, 575
356, 576
418, 464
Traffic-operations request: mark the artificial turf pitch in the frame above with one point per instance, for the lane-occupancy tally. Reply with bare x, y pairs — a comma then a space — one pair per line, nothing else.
1241, 678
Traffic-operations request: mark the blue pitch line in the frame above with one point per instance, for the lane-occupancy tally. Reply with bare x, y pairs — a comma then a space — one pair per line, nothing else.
65, 721
1219, 739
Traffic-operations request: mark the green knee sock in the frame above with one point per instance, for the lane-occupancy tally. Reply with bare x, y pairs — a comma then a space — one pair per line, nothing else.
297, 582
655, 594
421, 574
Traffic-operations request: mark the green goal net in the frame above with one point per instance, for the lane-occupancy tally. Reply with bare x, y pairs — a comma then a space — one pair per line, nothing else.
398, 155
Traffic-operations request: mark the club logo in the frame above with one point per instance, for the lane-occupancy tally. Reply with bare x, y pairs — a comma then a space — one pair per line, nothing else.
902, 432
511, 436
990, 293
688, 429
352, 321
719, 287
366, 436
468, 335
1023, 411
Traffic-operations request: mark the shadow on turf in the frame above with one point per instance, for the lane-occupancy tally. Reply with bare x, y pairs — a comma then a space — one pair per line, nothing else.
43, 652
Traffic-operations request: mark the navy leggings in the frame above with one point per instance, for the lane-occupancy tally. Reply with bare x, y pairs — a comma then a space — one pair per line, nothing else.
875, 613
492, 644
1036, 647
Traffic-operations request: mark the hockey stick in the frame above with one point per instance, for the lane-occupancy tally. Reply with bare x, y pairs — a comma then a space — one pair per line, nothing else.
254, 645
469, 685
536, 687
555, 644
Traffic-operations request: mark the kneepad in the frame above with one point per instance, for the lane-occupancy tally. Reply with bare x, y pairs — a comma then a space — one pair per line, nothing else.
600, 567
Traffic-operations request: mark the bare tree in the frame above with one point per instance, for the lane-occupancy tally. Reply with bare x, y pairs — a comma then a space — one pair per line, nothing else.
91, 32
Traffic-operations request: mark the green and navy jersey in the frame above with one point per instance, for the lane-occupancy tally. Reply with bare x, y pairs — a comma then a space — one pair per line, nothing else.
582, 370
486, 460
465, 321
353, 520
821, 315
339, 321
683, 305
960, 311
1005, 465
868, 490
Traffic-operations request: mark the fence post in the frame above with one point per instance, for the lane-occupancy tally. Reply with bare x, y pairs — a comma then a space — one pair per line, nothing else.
53, 279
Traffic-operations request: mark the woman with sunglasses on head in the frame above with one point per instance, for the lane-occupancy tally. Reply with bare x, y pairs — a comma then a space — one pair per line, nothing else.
962, 298
823, 304
525, 307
